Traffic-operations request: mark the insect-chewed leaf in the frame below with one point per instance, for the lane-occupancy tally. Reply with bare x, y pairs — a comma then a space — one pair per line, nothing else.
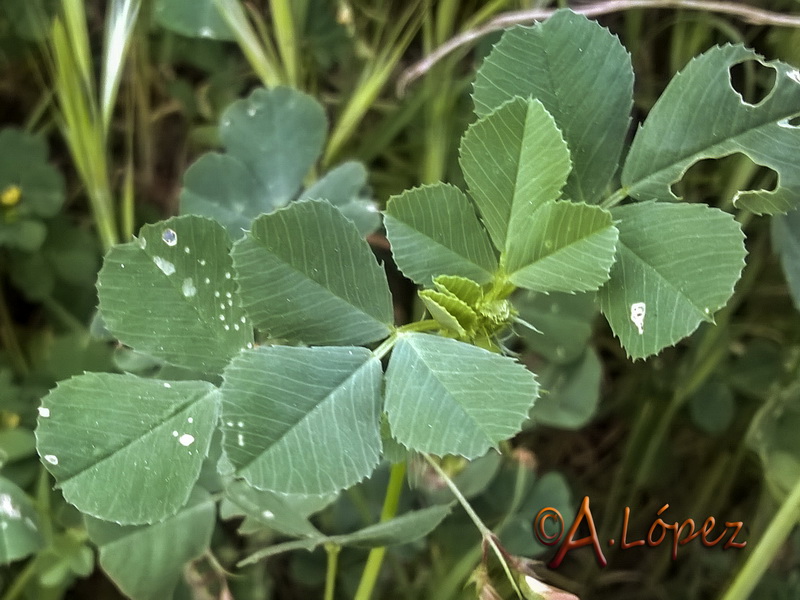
700, 115
434, 231
118, 468
676, 266
171, 294
561, 62
19, 524
514, 160
290, 428
447, 397
306, 275
146, 562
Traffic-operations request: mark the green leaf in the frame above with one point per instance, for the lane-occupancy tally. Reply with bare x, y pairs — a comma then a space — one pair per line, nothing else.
280, 512
272, 140
344, 188
311, 426
193, 18
126, 449
676, 266
23, 163
448, 397
451, 312
434, 231
583, 77
773, 435
712, 407
306, 275
562, 247
570, 392
404, 529
786, 242
171, 294
514, 160
147, 562
700, 116
565, 322
19, 524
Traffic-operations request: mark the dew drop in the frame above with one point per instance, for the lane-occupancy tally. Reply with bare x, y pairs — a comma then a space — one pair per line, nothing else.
227, 327
794, 75
186, 439
51, 458
44, 412
252, 111
166, 267
249, 345
202, 262
268, 514
187, 250
228, 275
230, 303
169, 237
228, 295
222, 317
174, 434
216, 294
240, 439
190, 420
142, 242
206, 32
207, 280
188, 288
240, 424
243, 320
222, 305
236, 326
167, 385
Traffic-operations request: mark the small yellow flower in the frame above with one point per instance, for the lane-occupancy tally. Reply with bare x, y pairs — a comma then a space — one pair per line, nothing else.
11, 195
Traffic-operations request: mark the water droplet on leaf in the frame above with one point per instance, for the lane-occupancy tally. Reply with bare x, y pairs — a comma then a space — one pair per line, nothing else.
169, 237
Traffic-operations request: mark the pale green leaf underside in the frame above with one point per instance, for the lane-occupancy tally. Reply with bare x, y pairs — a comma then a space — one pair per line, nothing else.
434, 231
19, 524
786, 242
272, 138
562, 247
583, 77
175, 299
573, 392
146, 562
280, 512
448, 397
302, 420
126, 449
306, 275
700, 115
514, 160
681, 261
404, 529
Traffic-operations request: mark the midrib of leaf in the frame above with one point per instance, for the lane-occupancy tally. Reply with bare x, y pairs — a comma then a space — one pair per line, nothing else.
304, 417
314, 281
711, 148
667, 282
130, 443
439, 384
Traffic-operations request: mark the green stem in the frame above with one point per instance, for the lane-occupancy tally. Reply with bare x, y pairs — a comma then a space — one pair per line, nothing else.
488, 537
21, 581
615, 198
375, 559
332, 551
767, 548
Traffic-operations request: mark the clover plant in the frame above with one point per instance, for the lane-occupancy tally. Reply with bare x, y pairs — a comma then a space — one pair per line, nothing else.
283, 377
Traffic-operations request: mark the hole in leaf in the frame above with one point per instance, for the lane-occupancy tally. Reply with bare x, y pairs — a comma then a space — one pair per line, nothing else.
715, 180
752, 81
